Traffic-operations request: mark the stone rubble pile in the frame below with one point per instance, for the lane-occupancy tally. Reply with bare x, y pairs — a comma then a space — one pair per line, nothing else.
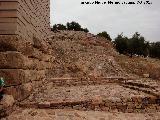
80, 54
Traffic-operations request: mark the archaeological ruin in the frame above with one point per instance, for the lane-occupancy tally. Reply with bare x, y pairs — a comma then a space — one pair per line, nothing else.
69, 75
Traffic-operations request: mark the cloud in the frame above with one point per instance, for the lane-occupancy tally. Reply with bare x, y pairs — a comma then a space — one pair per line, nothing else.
112, 18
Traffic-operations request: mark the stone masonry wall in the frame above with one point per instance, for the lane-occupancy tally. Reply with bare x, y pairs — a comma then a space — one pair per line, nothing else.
23, 69
25, 54
25, 18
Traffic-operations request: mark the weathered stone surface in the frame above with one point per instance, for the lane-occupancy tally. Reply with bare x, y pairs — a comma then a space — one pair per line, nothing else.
16, 60
110, 97
155, 73
13, 60
44, 105
42, 45
27, 25
6, 5
20, 92
37, 54
28, 87
14, 43
19, 76
26, 48
6, 14
7, 101
50, 114
8, 20
146, 75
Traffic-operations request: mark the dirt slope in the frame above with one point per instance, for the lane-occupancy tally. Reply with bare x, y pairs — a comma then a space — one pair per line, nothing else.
140, 66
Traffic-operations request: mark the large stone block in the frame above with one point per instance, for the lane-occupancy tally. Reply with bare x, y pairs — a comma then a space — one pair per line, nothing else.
14, 43
20, 92
11, 32
7, 101
16, 60
19, 76
13, 60
42, 45
8, 26
6, 14
7, 5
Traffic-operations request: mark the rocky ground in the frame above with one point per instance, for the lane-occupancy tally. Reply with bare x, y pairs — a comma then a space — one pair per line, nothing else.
50, 114
112, 101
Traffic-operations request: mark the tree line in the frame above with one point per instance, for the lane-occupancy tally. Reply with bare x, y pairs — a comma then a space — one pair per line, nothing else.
136, 45
69, 26
77, 27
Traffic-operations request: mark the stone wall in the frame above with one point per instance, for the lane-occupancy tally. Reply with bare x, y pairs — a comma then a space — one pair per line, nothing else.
25, 18
25, 54
23, 68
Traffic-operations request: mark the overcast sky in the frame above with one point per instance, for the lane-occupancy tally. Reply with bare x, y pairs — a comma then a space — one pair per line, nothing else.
111, 18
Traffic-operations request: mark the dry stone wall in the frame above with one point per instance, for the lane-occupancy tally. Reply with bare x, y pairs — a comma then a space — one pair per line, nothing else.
25, 54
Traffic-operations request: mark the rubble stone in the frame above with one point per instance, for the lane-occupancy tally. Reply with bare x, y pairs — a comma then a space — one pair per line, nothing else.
7, 101
19, 76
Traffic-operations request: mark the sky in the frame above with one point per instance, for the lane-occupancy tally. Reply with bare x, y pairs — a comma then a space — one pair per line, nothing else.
115, 19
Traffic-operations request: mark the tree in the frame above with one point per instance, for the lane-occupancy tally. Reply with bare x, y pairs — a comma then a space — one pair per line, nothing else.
155, 50
76, 27
69, 26
135, 45
85, 30
105, 35
58, 27
138, 45
121, 43
146, 49
73, 26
